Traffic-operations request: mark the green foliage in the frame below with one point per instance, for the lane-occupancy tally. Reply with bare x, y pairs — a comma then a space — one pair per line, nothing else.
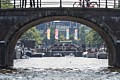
71, 37
93, 38
34, 34
52, 35
5, 4
62, 37
82, 34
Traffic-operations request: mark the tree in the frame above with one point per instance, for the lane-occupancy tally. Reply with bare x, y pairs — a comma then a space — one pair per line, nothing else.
52, 35
62, 37
82, 34
93, 39
6, 4
33, 34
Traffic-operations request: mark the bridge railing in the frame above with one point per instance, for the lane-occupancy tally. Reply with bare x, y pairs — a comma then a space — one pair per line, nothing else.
7, 4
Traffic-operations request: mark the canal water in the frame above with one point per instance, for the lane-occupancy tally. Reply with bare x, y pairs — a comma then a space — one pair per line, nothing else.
60, 68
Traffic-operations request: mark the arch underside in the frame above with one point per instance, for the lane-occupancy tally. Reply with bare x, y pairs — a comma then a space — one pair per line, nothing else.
98, 26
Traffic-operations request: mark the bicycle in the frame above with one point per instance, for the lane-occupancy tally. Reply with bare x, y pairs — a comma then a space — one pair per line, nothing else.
79, 3
85, 3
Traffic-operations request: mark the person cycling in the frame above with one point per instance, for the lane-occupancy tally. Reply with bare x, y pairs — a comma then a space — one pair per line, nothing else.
80, 2
87, 3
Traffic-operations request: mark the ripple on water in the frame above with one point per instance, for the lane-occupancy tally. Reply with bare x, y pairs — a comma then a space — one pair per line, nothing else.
61, 74
67, 69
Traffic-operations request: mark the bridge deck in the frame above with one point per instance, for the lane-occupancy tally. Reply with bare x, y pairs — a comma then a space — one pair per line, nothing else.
58, 3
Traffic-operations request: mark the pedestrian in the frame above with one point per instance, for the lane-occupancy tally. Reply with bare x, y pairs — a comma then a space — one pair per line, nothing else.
87, 3
24, 3
80, 3
32, 3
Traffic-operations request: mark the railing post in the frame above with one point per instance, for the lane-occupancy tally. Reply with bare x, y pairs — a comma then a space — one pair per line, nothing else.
40, 3
114, 3
37, 4
14, 3
33, 3
106, 4
118, 3
20, 3
99, 3
60, 3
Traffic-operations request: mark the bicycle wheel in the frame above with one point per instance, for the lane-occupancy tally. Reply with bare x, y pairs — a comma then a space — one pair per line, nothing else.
93, 4
77, 4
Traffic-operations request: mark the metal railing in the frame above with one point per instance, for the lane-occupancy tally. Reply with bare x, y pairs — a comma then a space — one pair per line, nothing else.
6, 4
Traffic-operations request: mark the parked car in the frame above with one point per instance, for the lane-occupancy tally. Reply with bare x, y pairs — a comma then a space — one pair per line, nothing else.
31, 54
28, 53
102, 55
57, 55
70, 55
37, 55
91, 55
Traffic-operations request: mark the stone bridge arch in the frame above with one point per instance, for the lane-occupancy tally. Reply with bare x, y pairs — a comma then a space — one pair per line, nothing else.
98, 25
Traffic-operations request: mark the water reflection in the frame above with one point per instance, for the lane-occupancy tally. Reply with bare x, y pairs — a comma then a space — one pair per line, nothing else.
62, 68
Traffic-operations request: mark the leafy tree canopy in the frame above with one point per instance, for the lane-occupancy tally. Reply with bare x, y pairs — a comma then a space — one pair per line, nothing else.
93, 38
6, 4
33, 33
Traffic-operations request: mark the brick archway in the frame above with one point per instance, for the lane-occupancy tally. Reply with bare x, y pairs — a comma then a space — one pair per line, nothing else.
96, 24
